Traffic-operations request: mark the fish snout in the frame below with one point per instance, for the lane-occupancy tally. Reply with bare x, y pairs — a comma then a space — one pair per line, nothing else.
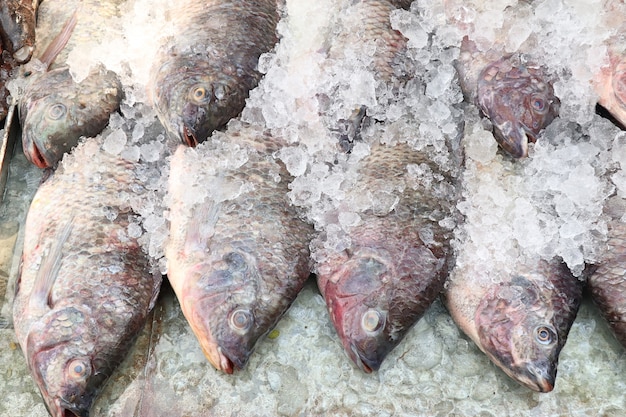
512, 138
541, 376
34, 153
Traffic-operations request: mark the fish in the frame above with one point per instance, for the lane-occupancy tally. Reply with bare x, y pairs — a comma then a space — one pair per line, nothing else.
86, 286
396, 265
516, 303
606, 280
55, 110
17, 28
238, 253
398, 256
511, 90
610, 84
202, 76
518, 316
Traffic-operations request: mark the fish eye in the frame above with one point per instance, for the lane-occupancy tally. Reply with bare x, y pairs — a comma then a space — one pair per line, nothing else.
538, 103
78, 369
198, 94
56, 111
372, 321
240, 320
545, 335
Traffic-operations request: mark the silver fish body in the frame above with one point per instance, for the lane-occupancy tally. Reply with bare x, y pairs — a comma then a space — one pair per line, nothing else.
55, 110
238, 256
85, 287
201, 78
381, 285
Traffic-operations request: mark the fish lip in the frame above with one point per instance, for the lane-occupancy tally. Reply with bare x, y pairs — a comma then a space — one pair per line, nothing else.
226, 363
513, 139
366, 364
542, 379
188, 137
60, 408
33, 153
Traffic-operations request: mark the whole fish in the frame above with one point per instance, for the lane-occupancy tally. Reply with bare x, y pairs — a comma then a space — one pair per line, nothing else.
55, 110
517, 307
514, 93
201, 77
398, 259
238, 253
606, 282
85, 287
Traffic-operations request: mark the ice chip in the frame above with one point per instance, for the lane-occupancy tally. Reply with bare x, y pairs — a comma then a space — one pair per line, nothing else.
115, 141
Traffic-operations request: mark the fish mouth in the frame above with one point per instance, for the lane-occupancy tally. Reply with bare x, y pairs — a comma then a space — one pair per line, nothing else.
513, 139
539, 377
188, 137
34, 154
57, 409
365, 363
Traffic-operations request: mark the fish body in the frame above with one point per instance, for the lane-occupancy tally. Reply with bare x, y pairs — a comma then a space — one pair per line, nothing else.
85, 287
201, 77
519, 316
55, 109
610, 85
514, 93
396, 264
238, 255
606, 283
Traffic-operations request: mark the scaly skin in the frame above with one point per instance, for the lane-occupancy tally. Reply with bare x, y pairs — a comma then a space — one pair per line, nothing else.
55, 111
381, 285
85, 288
238, 258
202, 77
608, 284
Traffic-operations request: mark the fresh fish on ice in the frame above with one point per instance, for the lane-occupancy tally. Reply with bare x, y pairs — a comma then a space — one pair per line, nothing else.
202, 75
237, 253
398, 252
381, 285
86, 286
514, 93
55, 109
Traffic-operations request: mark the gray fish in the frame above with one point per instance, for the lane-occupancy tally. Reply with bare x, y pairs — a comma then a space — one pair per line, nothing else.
606, 282
515, 94
85, 287
55, 110
395, 267
238, 253
201, 79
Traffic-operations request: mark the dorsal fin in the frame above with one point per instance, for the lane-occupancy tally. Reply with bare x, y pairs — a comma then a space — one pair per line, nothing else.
49, 270
59, 42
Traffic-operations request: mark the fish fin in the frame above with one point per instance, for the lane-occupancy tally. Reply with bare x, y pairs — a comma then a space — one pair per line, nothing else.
49, 270
59, 42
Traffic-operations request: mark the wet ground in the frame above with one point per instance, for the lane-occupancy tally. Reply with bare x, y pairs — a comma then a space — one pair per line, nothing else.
301, 369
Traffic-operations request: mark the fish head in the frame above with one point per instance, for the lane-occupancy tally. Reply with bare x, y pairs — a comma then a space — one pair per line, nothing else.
64, 364
222, 308
358, 303
192, 99
520, 329
519, 101
56, 112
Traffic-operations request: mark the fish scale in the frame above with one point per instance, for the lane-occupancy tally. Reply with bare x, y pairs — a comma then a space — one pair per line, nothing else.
85, 287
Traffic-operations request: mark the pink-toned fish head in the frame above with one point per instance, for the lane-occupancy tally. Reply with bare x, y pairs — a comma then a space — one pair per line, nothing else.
610, 86
518, 99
